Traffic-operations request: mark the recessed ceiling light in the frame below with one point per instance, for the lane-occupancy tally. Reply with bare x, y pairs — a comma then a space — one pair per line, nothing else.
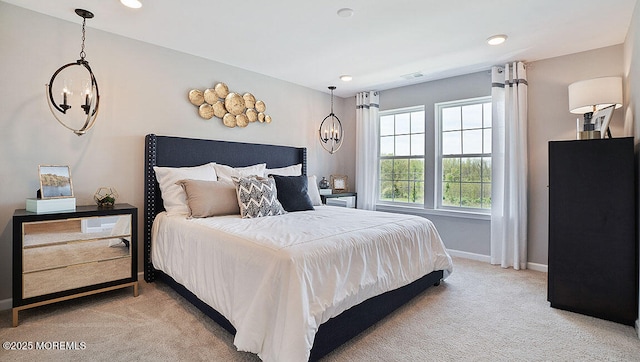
497, 39
346, 78
134, 4
345, 13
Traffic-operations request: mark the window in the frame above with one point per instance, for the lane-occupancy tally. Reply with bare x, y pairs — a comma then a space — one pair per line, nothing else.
464, 154
401, 157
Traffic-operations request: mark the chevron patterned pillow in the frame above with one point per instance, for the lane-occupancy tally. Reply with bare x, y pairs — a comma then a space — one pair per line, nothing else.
257, 197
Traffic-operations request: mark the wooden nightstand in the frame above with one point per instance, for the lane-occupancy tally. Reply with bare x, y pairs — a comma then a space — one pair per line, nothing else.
65, 255
346, 199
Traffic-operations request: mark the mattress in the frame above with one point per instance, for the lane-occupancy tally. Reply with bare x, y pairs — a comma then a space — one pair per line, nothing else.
276, 279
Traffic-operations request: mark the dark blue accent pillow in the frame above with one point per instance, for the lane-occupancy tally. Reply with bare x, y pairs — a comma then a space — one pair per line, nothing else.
292, 192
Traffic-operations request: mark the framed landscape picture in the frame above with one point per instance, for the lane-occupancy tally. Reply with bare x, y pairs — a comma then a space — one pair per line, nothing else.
55, 182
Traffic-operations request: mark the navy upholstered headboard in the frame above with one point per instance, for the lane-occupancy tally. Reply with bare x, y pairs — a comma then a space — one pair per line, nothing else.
183, 152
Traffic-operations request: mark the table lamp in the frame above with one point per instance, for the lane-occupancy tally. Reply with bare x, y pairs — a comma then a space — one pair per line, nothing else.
589, 96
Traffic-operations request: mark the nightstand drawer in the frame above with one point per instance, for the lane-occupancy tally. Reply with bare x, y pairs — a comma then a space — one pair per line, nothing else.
74, 276
344, 201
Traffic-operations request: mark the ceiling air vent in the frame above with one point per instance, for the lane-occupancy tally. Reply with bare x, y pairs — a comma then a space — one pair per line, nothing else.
412, 75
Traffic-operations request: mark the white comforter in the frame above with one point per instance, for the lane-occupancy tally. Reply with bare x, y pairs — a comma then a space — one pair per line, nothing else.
276, 279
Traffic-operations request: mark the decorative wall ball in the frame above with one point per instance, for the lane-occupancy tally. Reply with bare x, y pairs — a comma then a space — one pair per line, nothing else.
241, 120
260, 106
196, 97
229, 120
249, 100
210, 96
267, 119
261, 117
218, 109
234, 103
251, 114
221, 90
205, 111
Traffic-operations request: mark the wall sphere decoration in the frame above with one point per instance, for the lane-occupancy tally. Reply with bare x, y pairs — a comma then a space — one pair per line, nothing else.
234, 109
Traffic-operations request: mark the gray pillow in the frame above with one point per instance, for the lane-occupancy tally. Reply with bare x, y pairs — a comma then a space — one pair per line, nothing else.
257, 197
210, 198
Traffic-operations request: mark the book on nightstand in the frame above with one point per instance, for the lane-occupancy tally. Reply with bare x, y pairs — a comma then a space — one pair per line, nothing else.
42, 206
325, 191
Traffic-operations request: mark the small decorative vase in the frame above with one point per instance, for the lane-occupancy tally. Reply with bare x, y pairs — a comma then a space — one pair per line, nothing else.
324, 183
105, 197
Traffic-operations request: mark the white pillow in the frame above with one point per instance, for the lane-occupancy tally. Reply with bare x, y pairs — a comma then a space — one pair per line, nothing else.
226, 173
173, 195
312, 190
293, 170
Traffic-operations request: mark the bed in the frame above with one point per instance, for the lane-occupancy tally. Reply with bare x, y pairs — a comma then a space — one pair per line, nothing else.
331, 306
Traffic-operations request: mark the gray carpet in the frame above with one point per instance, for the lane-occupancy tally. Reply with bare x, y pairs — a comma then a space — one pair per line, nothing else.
481, 313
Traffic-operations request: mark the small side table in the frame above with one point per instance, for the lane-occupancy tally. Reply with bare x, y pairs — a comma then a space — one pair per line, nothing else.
350, 198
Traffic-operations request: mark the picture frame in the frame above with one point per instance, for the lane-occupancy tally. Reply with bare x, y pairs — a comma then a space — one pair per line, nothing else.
55, 182
339, 183
602, 117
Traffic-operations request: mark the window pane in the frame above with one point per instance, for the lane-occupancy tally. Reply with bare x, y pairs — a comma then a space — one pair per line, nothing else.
487, 114
472, 141
451, 169
401, 191
472, 116
386, 190
417, 144
470, 196
416, 170
451, 143
386, 125
486, 196
403, 123
450, 194
470, 169
417, 122
401, 169
487, 140
486, 169
386, 170
451, 119
403, 146
416, 192
386, 146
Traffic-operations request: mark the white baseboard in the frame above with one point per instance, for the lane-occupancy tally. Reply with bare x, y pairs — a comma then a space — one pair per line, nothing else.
467, 255
7, 304
487, 259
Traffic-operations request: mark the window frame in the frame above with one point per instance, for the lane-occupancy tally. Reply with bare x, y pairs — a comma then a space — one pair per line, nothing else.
438, 161
379, 200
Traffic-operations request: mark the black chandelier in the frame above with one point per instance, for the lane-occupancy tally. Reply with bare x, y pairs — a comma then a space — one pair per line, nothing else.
330, 132
75, 86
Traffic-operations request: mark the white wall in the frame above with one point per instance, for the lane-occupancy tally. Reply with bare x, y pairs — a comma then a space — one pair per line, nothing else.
143, 90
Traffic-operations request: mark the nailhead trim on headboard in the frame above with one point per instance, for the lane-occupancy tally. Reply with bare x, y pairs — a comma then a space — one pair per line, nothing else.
149, 204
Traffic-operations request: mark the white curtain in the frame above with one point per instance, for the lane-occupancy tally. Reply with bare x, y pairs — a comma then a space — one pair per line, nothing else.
367, 106
509, 166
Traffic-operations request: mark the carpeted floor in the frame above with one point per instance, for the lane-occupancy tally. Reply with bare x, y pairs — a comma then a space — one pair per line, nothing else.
480, 313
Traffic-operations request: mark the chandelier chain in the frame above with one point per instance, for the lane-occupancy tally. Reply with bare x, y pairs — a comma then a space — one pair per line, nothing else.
82, 53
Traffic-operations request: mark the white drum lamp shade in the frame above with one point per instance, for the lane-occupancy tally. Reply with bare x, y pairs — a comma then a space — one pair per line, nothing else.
594, 94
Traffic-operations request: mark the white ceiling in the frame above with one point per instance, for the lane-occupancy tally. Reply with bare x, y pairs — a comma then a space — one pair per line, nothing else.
307, 43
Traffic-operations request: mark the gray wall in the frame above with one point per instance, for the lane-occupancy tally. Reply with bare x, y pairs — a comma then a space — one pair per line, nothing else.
144, 90
550, 120
470, 235
632, 94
